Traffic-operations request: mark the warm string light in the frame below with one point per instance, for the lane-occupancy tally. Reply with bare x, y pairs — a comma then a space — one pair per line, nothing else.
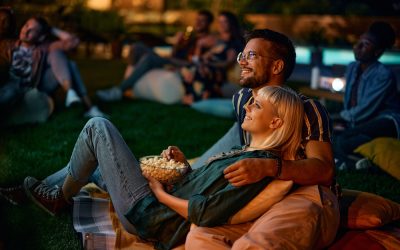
99, 4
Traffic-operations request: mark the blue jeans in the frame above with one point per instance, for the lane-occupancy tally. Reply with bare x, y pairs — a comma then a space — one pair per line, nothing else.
59, 69
100, 151
100, 147
347, 141
230, 139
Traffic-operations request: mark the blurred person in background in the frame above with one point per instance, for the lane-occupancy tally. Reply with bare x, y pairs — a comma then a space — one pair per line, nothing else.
371, 101
205, 78
142, 59
17, 104
36, 62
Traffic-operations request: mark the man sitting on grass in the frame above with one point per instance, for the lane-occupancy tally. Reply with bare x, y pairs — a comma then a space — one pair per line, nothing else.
39, 63
371, 101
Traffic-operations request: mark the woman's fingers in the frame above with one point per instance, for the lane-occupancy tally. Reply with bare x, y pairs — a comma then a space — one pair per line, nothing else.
168, 153
172, 152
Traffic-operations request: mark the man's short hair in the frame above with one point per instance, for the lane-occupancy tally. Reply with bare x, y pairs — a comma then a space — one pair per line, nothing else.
283, 47
208, 14
383, 34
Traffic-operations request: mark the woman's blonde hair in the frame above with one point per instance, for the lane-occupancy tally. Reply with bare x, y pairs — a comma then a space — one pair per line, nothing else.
287, 138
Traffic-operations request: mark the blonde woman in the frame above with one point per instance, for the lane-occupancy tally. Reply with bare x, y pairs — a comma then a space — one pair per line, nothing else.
203, 197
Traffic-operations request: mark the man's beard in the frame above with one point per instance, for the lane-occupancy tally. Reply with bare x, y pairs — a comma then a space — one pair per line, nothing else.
252, 82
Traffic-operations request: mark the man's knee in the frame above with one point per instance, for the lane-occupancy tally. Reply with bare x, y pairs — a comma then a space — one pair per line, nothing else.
55, 56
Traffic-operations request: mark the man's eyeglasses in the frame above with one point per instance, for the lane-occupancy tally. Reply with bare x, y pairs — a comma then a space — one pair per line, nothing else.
250, 56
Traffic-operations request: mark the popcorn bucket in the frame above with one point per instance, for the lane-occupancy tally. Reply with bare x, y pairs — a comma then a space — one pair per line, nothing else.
165, 171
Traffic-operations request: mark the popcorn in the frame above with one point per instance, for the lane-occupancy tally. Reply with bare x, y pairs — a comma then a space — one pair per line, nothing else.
166, 172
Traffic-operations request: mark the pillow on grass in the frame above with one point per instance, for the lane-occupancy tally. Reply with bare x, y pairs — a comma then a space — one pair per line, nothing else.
160, 85
362, 210
383, 152
272, 193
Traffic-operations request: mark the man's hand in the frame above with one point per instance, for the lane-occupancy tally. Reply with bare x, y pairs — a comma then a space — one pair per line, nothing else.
249, 171
67, 41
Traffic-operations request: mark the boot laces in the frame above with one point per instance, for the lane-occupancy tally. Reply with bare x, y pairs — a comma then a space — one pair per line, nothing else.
47, 192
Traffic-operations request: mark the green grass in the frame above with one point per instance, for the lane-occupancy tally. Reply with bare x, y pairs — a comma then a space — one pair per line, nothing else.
148, 127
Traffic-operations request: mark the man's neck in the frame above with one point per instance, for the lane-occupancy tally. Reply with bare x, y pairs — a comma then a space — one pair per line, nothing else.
365, 65
270, 83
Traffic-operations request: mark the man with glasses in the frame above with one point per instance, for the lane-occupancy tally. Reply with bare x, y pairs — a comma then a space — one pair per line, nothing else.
308, 217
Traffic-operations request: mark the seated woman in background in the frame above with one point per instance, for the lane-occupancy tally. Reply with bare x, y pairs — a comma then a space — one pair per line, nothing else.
203, 197
205, 78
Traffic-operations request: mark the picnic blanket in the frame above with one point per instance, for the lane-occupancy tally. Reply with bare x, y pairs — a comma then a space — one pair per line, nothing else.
95, 219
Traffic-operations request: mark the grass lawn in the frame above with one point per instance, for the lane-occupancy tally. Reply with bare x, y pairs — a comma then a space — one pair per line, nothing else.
39, 150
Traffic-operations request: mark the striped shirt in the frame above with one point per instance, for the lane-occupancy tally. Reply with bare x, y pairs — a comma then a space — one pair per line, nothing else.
316, 127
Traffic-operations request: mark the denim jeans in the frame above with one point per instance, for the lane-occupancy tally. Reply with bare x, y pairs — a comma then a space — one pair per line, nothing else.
100, 151
346, 142
230, 139
57, 178
59, 69
101, 147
